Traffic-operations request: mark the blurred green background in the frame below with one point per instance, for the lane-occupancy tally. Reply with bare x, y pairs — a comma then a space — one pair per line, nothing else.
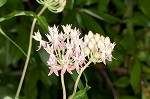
126, 22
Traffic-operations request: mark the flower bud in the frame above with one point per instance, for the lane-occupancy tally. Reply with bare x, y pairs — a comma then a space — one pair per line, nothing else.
93, 40
95, 48
86, 39
97, 55
97, 37
86, 51
90, 34
102, 38
100, 43
107, 41
91, 45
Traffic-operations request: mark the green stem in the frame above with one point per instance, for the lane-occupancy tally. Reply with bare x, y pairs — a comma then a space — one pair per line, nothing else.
78, 79
29, 52
63, 86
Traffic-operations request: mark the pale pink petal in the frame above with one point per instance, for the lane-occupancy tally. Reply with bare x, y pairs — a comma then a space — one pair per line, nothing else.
104, 58
42, 44
56, 72
72, 67
69, 70
51, 71
109, 57
77, 68
63, 70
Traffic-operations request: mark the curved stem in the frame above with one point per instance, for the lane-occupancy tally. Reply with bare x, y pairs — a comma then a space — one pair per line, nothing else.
28, 54
78, 78
63, 86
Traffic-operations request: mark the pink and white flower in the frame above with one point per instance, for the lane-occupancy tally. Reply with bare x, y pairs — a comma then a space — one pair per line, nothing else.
65, 49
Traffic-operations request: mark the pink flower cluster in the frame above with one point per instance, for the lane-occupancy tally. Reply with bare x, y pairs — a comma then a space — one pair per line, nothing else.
65, 49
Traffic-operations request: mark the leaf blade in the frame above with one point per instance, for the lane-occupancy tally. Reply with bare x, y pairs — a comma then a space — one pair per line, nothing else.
2, 2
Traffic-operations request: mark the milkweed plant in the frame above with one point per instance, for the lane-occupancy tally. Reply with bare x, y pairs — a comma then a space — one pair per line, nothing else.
67, 50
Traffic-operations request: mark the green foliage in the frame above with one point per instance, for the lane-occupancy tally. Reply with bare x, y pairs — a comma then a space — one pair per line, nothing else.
2, 2
122, 82
126, 22
82, 93
135, 81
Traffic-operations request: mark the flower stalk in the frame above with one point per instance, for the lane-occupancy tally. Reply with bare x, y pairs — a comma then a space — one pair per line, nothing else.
78, 79
63, 86
28, 54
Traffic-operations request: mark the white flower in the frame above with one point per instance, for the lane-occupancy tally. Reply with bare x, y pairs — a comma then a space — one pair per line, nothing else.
37, 36
100, 47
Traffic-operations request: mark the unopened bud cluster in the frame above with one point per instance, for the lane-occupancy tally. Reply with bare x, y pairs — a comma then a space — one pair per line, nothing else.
99, 48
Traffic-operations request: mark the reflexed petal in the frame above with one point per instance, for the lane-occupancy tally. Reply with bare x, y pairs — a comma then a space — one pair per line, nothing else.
63, 70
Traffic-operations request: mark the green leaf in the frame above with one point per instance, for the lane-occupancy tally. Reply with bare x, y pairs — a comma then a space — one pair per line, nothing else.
18, 13
119, 6
80, 2
146, 69
2, 2
48, 80
90, 2
82, 93
6, 91
71, 19
101, 16
124, 42
13, 55
70, 4
3, 50
129, 9
138, 19
7, 97
43, 23
74, 76
122, 82
144, 4
103, 5
135, 76
12, 41
31, 80
91, 24
43, 55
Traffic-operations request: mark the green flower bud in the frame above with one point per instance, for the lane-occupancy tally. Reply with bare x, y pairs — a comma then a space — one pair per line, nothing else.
55, 6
